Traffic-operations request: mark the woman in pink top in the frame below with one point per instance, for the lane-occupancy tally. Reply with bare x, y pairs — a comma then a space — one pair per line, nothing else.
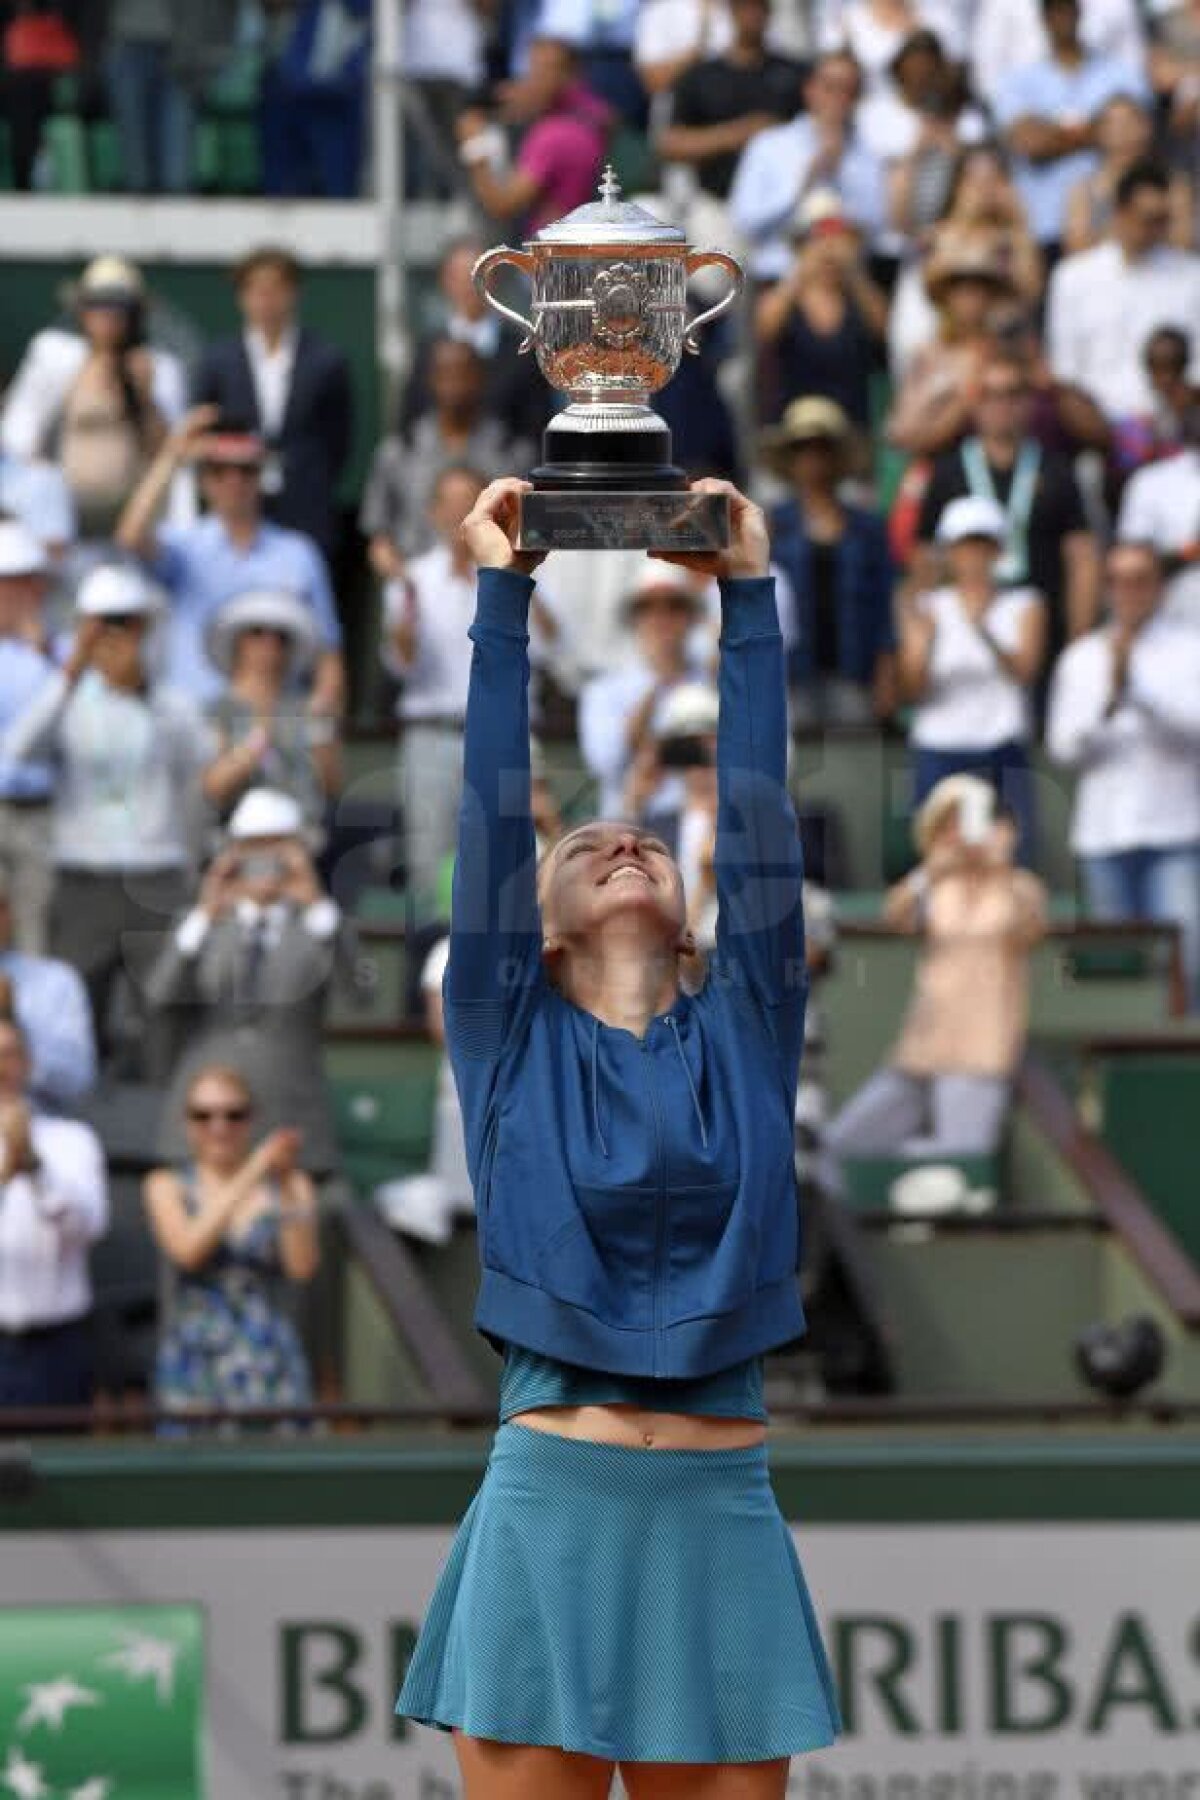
559, 157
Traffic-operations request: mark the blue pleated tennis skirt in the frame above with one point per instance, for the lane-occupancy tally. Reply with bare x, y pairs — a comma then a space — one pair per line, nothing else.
634, 1604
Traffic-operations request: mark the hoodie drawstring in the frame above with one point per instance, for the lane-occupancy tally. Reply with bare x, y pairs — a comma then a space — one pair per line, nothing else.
596, 1085
691, 1084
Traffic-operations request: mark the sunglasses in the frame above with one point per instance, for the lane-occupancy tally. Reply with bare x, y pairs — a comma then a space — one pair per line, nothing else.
122, 621
1004, 393
247, 471
272, 631
645, 608
209, 1115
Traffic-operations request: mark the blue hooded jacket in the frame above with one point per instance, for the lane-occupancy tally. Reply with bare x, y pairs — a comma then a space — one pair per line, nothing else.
636, 1197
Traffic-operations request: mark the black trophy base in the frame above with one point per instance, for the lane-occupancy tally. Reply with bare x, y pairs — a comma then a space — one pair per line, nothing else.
612, 519
616, 489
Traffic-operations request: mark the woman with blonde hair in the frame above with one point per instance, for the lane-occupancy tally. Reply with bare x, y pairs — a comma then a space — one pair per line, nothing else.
236, 1226
623, 1589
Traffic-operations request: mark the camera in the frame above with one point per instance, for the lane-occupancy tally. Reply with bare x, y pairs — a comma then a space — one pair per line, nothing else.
262, 865
690, 752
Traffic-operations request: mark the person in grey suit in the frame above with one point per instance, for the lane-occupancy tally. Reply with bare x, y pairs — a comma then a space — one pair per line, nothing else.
246, 973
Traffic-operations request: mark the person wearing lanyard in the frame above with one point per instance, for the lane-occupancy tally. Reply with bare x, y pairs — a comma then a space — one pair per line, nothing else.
623, 1589
53, 1204
25, 788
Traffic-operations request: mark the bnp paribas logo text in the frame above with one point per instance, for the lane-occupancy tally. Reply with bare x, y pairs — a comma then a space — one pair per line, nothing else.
101, 1703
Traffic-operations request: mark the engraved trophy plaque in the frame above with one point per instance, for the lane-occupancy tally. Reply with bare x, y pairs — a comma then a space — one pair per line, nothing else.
608, 329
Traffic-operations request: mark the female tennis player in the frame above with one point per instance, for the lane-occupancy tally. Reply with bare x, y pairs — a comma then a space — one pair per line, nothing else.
623, 1590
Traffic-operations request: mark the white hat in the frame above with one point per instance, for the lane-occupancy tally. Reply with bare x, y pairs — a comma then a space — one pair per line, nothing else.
654, 576
972, 516
265, 813
946, 798
273, 607
116, 588
20, 552
690, 710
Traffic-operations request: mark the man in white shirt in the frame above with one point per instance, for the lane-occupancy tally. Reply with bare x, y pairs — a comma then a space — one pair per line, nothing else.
427, 613
1161, 506
818, 148
1104, 303
53, 1205
1125, 713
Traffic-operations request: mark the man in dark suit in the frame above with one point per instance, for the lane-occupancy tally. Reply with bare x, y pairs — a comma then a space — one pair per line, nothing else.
281, 380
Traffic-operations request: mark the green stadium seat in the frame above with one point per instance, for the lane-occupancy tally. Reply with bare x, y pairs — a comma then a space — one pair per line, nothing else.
105, 159
227, 160
384, 1128
1145, 1102
7, 175
65, 141
869, 1179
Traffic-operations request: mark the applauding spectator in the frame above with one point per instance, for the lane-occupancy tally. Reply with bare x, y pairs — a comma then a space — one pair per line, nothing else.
1103, 304
99, 401
248, 969
946, 1085
1049, 111
969, 656
26, 787
838, 565
966, 279
405, 469
291, 388
231, 551
819, 148
264, 642
1047, 545
49, 1002
1125, 713
236, 1226
53, 1205
128, 755
1124, 135
1161, 506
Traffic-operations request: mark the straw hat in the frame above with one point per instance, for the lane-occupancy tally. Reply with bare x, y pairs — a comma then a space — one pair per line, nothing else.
275, 608
965, 259
110, 281
811, 419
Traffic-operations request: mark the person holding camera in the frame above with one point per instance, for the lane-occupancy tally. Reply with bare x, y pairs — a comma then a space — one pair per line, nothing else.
235, 1225
128, 753
246, 974
945, 1086
53, 1205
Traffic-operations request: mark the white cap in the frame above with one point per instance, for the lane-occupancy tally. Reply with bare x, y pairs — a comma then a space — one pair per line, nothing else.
265, 813
115, 588
20, 552
654, 576
690, 710
972, 516
274, 607
946, 798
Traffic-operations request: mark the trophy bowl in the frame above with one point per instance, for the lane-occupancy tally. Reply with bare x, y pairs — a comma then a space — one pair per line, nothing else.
608, 325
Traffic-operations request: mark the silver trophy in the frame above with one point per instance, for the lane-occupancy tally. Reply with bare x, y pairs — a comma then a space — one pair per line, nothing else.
609, 327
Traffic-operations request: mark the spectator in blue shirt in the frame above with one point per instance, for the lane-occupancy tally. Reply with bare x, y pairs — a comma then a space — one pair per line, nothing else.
817, 149
843, 668
230, 551
37, 494
25, 788
1049, 112
47, 999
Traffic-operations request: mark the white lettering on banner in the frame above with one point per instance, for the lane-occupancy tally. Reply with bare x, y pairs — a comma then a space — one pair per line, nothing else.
974, 1662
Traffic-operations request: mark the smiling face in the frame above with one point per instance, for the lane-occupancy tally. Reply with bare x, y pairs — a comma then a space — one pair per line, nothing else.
606, 871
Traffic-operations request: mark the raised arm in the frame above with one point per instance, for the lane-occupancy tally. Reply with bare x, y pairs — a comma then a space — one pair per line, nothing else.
760, 918
495, 929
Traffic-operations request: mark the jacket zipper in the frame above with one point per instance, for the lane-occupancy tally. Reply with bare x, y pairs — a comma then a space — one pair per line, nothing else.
660, 1205
483, 1187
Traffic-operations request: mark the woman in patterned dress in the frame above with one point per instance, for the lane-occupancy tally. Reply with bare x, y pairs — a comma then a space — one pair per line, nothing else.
236, 1224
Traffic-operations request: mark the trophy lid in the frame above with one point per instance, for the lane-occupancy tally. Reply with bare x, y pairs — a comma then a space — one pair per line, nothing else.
609, 220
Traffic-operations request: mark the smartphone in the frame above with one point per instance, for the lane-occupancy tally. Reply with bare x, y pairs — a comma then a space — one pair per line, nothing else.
976, 810
262, 866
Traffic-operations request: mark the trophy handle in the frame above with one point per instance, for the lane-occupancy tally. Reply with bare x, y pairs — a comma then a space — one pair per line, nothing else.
494, 259
702, 259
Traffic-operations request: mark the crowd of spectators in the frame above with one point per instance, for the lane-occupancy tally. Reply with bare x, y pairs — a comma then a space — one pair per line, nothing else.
964, 385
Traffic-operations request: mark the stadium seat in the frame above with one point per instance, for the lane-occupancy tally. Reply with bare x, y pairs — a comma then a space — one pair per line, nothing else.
64, 139
869, 1179
384, 1128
